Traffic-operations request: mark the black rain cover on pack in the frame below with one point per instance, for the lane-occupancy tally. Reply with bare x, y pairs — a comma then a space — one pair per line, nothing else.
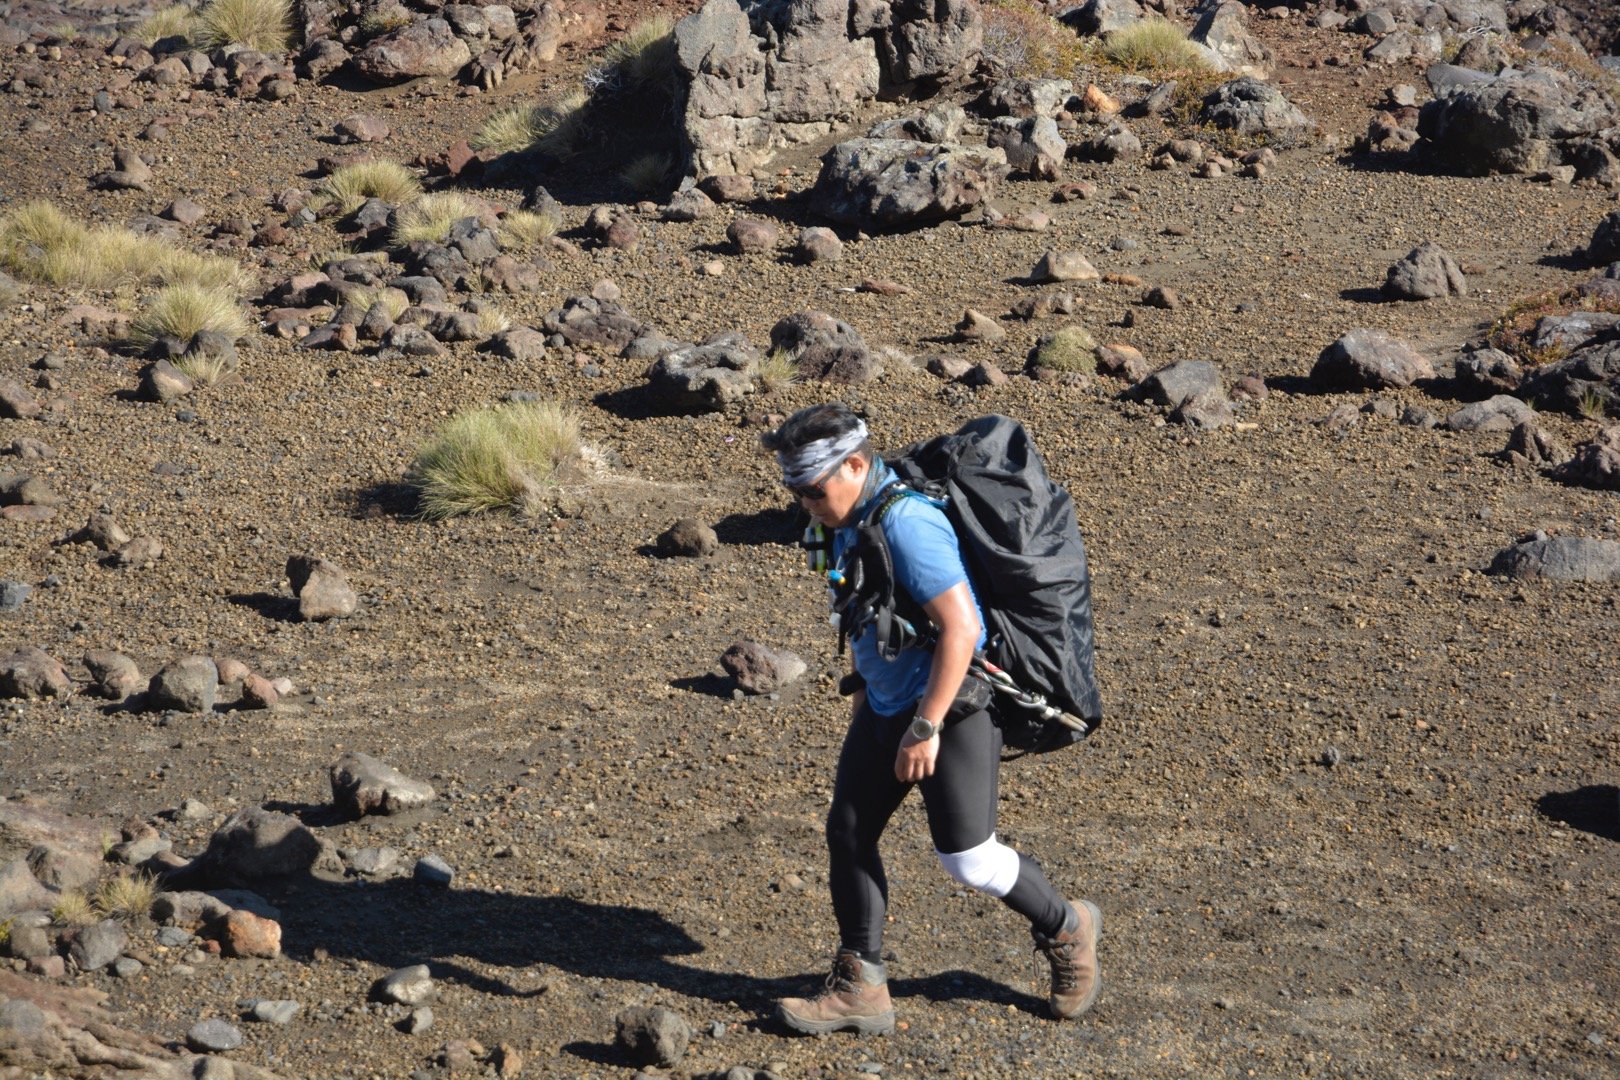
1022, 546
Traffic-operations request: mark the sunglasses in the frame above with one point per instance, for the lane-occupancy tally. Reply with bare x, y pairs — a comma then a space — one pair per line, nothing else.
813, 492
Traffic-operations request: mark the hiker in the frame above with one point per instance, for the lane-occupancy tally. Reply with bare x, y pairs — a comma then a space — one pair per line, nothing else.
916, 720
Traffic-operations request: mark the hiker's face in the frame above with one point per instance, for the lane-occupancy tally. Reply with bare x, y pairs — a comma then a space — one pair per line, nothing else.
840, 493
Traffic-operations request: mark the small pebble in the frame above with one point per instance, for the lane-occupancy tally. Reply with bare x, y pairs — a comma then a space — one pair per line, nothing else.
214, 1036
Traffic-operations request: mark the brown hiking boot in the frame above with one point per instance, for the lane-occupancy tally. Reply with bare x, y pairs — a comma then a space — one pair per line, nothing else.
854, 998
1073, 956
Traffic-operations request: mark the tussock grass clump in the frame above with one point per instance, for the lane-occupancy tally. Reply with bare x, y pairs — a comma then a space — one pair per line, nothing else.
393, 301
492, 320
1153, 44
1069, 349
512, 130
262, 25
562, 126
648, 174
73, 908
41, 243
526, 228
430, 217
1022, 41
495, 458
351, 185
126, 895
777, 371
176, 21
184, 311
644, 57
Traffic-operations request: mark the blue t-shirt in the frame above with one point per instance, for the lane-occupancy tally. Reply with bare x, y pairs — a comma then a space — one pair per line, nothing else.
927, 561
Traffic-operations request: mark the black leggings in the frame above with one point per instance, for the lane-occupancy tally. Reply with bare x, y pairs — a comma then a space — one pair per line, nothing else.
960, 799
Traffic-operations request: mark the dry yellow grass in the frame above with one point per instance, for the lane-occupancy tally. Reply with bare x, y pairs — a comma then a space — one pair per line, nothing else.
644, 58
648, 175
73, 908
126, 895
1068, 348
526, 228
430, 217
183, 311
178, 20
1153, 44
777, 371
352, 185
41, 243
495, 458
1022, 40
262, 25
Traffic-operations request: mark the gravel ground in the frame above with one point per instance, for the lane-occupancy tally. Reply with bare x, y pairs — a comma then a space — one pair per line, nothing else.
1439, 901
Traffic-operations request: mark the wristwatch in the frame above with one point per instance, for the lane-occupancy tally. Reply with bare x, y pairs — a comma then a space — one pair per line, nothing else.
922, 729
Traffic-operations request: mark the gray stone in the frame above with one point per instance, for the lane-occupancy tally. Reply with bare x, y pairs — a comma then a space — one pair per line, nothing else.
32, 673
1205, 411
214, 1067
688, 205
881, 184
1371, 360
163, 382
1595, 464
1586, 381
824, 348
213, 1036
113, 675
819, 244
127, 967
653, 1035
761, 669
361, 128
143, 551
372, 861
428, 47
20, 890
689, 537
433, 870
1095, 18
1063, 266
1179, 382
61, 867
1023, 97
1515, 122
1032, 145
1223, 30
255, 843
1488, 372
752, 235
189, 684
706, 377
585, 320
322, 589
173, 937
29, 942
1115, 141
1530, 444
1605, 244
1560, 558
941, 123
1426, 272
977, 326
406, 986
14, 594
363, 785
22, 1020
95, 947
521, 343
16, 403
420, 1020
274, 1012
1250, 107
1500, 413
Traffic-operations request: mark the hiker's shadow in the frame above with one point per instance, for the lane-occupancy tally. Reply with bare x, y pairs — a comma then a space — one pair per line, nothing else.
401, 921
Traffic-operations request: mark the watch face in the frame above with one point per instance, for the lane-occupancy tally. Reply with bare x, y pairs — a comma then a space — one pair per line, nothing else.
922, 729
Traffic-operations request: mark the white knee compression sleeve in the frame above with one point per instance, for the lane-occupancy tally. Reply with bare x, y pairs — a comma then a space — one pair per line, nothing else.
990, 867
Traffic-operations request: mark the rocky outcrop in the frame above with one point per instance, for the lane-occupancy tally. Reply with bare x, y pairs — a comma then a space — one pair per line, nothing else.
1587, 380
786, 71
1250, 107
897, 184
1520, 121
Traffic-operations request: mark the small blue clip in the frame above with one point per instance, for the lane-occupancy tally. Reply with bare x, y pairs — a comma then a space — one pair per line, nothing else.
836, 577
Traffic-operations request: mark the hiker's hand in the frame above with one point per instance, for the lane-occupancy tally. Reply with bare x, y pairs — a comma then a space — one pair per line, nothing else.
915, 761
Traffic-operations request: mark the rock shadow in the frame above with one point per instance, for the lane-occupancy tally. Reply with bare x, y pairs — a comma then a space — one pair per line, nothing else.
1366, 296
638, 403
387, 499
1594, 808
718, 686
270, 605
779, 526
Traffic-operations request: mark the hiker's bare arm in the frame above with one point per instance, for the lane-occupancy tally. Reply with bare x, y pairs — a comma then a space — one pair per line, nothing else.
953, 612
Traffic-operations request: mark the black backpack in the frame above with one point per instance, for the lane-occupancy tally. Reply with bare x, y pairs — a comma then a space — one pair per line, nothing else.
1022, 548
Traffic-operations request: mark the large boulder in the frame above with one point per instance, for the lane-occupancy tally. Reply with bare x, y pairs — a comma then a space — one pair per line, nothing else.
585, 320
1605, 245
1427, 272
1519, 121
1561, 558
426, 48
879, 184
705, 377
254, 844
363, 785
1032, 145
1370, 360
1586, 381
1250, 107
1596, 464
1223, 31
785, 72
824, 348
33, 673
